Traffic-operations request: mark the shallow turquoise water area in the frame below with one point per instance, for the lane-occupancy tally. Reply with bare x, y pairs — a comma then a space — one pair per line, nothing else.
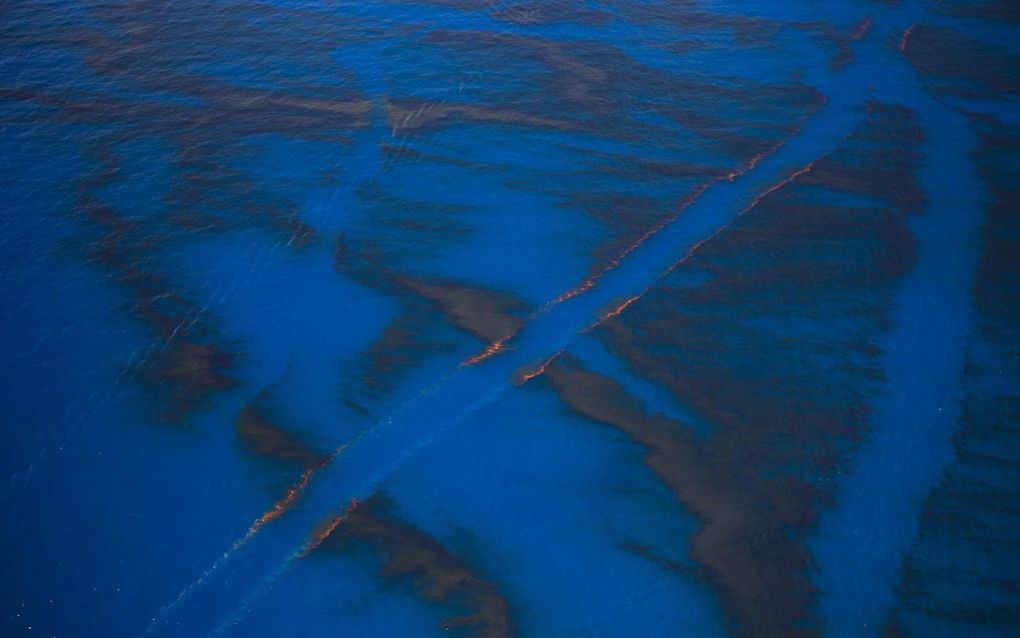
510, 318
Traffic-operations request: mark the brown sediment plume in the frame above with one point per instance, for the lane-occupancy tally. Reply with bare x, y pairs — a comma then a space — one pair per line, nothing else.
259, 435
955, 63
185, 366
994, 10
408, 115
485, 314
688, 15
530, 12
839, 42
617, 307
151, 101
406, 341
416, 331
775, 348
589, 87
741, 548
440, 576
188, 372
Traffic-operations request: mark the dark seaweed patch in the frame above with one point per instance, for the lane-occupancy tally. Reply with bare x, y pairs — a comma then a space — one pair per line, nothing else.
803, 283
185, 365
440, 576
995, 10
429, 304
261, 436
149, 85
956, 63
530, 12
485, 314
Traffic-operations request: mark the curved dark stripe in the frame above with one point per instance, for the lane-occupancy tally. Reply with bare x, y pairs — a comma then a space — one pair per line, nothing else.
185, 365
439, 576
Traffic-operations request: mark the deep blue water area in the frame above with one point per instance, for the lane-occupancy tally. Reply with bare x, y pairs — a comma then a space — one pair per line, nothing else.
505, 318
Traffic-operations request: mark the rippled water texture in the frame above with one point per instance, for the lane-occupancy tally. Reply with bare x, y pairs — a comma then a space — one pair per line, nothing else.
510, 318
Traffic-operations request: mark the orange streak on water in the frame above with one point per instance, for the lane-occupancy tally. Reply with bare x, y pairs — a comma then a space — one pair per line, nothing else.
903, 40
286, 501
522, 377
493, 348
589, 282
281, 505
623, 305
620, 307
771, 189
323, 530
860, 29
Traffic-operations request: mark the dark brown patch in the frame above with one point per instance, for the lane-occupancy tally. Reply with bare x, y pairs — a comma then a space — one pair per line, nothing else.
404, 343
777, 350
184, 366
148, 85
486, 314
427, 304
995, 10
954, 62
742, 548
838, 43
261, 436
530, 12
440, 576
188, 372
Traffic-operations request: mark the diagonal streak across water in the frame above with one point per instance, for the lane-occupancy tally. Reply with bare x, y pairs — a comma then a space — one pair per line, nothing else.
262, 555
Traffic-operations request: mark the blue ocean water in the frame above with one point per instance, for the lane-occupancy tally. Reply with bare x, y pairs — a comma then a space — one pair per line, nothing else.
509, 318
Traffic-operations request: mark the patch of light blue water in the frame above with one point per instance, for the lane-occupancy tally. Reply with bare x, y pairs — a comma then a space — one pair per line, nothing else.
519, 476
333, 594
860, 544
103, 536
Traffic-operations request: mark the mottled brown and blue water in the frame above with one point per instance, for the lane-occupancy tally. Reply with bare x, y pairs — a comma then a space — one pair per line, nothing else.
509, 318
